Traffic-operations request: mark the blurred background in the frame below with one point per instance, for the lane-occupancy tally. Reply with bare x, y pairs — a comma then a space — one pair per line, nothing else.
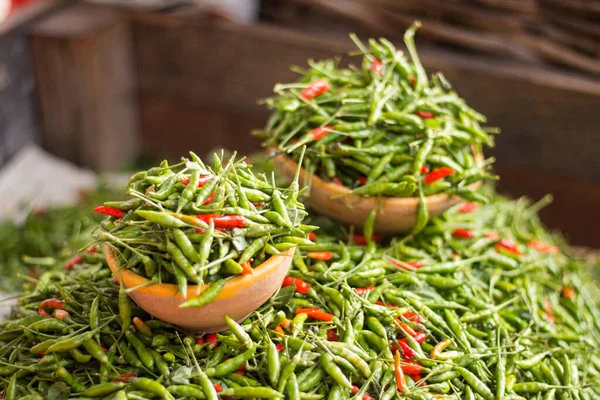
108, 85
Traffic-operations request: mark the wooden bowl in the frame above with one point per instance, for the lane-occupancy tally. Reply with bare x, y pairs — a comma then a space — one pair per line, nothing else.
395, 215
240, 296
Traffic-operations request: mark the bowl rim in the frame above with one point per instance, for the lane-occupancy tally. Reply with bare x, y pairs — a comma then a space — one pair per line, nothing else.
288, 163
232, 288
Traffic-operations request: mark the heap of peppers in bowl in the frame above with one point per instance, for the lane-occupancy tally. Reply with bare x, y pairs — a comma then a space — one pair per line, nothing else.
190, 223
382, 129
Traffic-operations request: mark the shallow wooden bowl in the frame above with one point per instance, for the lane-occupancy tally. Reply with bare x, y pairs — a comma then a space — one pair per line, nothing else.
241, 295
395, 215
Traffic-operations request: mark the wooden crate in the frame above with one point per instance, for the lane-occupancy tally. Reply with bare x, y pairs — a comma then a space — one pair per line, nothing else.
85, 84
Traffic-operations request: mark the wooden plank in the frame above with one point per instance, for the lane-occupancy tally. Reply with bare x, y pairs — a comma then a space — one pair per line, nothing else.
85, 85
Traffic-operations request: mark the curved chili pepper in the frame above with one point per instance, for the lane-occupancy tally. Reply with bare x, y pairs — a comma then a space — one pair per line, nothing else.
60, 314
112, 211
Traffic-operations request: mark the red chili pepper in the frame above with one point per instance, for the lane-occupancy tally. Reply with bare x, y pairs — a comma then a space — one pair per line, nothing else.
241, 370
356, 389
279, 347
381, 303
492, 236
361, 180
43, 313
320, 132
92, 249
412, 80
548, 311
407, 351
199, 340
568, 293
362, 290
258, 203
417, 378
320, 255
411, 316
286, 323
112, 211
360, 239
425, 114
462, 233
377, 66
420, 337
224, 221
543, 247
406, 328
399, 374
314, 89
337, 181
210, 338
301, 286
247, 268
60, 314
218, 388
468, 207
415, 264
332, 336
73, 262
507, 245
201, 182
115, 281
125, 376
315, 313
438, 174
312, 236
424, 169
412, 368
210, 199
52, 303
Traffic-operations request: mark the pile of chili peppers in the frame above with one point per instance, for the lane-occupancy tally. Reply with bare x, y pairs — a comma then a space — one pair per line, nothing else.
48, 238
498, 311
192, 223
384, 129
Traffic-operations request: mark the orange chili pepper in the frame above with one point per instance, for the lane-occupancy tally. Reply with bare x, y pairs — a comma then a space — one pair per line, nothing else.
52, 303
60, 314
400, 380
468, 207
438, 348
247, 268
568, 293
320, 255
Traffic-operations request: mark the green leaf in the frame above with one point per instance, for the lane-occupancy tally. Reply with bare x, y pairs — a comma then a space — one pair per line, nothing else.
59, 391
